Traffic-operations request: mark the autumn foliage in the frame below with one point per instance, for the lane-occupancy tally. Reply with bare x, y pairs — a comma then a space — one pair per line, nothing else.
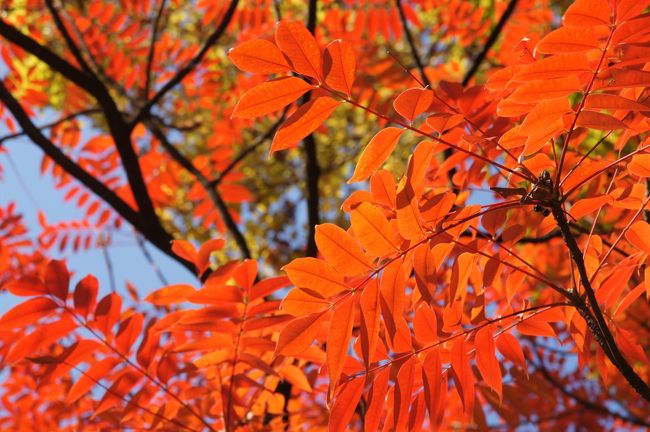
401, 215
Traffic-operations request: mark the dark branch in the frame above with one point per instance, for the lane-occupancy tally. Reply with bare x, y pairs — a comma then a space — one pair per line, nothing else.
411, 43
596, 322
52, 124
159, 238
206, 184
490, 41
152, 48
248, 150
591, 406
190, 66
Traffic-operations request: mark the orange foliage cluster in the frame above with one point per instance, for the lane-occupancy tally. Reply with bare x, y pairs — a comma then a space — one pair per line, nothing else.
433, 310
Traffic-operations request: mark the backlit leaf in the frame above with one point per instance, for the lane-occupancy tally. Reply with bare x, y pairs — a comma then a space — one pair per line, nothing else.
300, 47
339, 65
376, 153
340, 250
306, 119
258, 56
270, 96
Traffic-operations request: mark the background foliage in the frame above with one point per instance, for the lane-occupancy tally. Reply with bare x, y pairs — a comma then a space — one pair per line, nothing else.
401, 215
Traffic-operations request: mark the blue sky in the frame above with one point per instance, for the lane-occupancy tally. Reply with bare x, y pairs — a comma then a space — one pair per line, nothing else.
32, 192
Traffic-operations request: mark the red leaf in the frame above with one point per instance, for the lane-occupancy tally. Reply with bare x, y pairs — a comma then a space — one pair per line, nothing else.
306, 119
128, 333
372, 229
85, 295
185, 250
341, 250
270, 96
339, 66
170, 294
258, 56
299, 45
43, 336
57, 279
296, 336
338, 339
27, 286
435, 386
404, 392
370, 314
315, 274
376, 152
28, 312
413, 102
89, 378
463, 375
486, 360
639, 236
345, 404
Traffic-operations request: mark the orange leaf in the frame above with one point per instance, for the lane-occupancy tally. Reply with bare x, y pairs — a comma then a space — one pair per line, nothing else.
300, 302
486, 360
557, 66
345, 404
85, 295
372, 229
435, 386
341, 251
640, 165
306, 119
370, 312
206, 249
296, 336
413, 102
170, 294
534, 326
568, 40
338, 339
339, 66
295, 376
316, 275
300, 47
90, 377
28, 312
392, 287
41, 337
376, 152
128, 332
425, 324
404, 388
587, 13
624, 78
462, 372
258, 56
409, 221
600, 121
546, 89
270, 96
639, 235
588, 205
377, 401
57, 279
509, 346
185, 250
613, 102
27, 286
546, 113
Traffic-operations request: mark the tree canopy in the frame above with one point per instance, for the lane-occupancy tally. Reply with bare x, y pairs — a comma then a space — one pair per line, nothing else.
400, 215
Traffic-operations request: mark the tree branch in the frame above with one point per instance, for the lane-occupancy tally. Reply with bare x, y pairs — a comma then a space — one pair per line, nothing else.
591, 406
159, 238
152, 49
52, 124
411, 43
206, 184
490, 41
596, 322
190, 66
